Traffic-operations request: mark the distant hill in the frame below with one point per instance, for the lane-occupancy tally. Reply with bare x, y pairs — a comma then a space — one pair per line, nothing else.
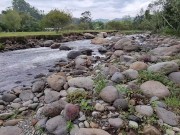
101, 20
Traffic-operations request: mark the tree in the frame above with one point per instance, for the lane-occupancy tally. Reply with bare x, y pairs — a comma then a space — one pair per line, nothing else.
86, 17
23, 6
11, 20
57, 19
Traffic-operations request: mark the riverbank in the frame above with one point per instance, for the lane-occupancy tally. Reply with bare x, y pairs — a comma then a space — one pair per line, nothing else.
134, 89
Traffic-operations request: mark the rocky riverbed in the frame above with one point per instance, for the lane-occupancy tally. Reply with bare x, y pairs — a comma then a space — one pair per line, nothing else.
133, 89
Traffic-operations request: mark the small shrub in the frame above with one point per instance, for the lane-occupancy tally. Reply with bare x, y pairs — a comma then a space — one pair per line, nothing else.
85, 106
100, 82
77, 96
70, 126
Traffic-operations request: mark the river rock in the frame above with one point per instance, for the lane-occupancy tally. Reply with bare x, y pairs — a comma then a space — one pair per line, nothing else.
89, 36
7, 97
38, 86
118, 53
164, 67
102, 49
56, 81
98, 41
41, 123
131, 47
166, 51
133, 124
55, 46
109, 94
131, 74
53, 109
48, 43
102, 34
11, 130
12, 122
150, 130
99, 107
117, 77
144, 110
5, 116
16, 105
82, 61
86, 51
175, 77
122, 43
138, 65
81, 82
71, 112
154, 88
121, 104
57, 126
51, 96
116, 122
167, 116
134, 118
64, 48
73, 54
91, 131
26, 95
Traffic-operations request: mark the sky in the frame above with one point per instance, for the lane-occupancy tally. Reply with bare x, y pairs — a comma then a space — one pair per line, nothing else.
104, 9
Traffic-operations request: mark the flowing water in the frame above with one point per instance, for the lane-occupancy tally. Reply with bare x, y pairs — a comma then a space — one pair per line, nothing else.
21, 66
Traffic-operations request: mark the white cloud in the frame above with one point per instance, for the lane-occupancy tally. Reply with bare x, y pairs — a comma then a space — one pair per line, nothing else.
108, 9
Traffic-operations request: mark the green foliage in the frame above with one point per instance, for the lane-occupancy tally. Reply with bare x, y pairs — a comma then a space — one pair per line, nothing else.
122, 89
57, 19
100, 82
69, 126
172, 101
26, 8
39, 130
77, 96
85, 106
12, 20
2, 47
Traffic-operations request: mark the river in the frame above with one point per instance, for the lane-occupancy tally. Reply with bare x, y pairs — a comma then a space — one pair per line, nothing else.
18, 68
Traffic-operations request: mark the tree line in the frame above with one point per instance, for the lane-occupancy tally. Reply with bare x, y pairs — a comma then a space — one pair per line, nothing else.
160, 16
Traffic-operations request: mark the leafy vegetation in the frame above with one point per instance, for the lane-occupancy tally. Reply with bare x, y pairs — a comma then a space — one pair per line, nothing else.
70, 126
85, 106
77, 96
100, 82
2, 47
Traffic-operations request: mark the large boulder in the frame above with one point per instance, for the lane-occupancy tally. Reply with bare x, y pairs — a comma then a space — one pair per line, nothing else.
11, 130
122, 43
175, 77
81, 82
109, 94
48, 43
99, 40
89, 36
56, 81
154, 88
73, 54
57, 126
164, 67
53, 109
91, 131
166, 51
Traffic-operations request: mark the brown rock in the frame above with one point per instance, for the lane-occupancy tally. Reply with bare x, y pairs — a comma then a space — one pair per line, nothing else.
139, 66
150, 130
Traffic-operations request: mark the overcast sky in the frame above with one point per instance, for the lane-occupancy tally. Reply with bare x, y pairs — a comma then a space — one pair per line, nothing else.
106, 9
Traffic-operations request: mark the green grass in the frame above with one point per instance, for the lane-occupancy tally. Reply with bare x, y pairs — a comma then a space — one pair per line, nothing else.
100, 82
77, 96
24, 34
46, 33
69, 126
2, 47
